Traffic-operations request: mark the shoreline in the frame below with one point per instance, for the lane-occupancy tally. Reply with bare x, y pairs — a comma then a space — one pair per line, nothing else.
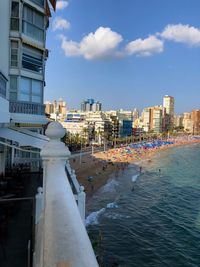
94, 171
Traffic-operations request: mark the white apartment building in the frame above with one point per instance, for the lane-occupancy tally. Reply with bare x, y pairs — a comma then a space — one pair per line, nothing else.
168, 104
23, 55
146, 119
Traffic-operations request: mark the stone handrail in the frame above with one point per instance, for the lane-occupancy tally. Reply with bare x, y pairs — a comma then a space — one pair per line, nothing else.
77, 190
61, 237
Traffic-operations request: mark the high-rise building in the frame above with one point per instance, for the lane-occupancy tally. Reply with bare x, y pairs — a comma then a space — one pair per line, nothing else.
153, 119
178, 121
187, 122
195, 120
156, 122
49, 108
23, 55
168, 104
135, 114
91, 105
146, 119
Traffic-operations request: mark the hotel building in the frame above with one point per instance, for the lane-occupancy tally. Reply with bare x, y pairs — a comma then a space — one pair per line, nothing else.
168, 104
195, 117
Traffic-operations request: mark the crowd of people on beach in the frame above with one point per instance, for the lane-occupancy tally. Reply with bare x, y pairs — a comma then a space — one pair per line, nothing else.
137, 151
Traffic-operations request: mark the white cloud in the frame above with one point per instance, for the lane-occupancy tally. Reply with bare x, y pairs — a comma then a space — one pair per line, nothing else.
60, 24
61, 4
99, 45
145, 47
182, 34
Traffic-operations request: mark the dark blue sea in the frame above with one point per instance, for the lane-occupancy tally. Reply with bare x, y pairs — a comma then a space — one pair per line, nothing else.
150, 219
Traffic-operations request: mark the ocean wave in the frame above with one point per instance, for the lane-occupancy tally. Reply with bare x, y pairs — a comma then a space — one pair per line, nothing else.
116, 216
110, 186
134, 178
92, 218
111, 205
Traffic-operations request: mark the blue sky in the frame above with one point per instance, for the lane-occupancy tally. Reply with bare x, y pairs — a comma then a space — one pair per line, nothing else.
125, 53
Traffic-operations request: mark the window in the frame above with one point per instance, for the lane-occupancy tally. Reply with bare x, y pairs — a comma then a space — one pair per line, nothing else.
36, 91
14, 23
2, 85
32, 59
13, 88
14, 54
31, 90
33, 24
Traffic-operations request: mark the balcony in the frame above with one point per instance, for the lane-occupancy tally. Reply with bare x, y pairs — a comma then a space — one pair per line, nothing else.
26, 108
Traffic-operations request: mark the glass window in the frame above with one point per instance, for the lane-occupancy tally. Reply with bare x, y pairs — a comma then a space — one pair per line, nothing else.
14, 23
32, 59
36, 87
2, 85
39, 2
30, 90
33, 24
25, 85
13, 83
14, 54
36, 91
13, 96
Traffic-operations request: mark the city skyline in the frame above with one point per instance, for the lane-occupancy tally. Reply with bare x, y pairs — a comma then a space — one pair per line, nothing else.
139, 59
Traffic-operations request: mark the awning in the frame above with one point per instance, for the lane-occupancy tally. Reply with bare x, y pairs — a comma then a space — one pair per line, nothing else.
24, 137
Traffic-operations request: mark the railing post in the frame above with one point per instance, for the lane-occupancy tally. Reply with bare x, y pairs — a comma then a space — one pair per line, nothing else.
39, 204
81, 202
65, 240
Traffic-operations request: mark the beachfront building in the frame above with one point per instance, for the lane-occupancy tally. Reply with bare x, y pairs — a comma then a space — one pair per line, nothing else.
135, 114
91, 105
146, 119
156, 115
178, 121
168, 104
195, 120
153, 119
187, 122
23, 55
100, 125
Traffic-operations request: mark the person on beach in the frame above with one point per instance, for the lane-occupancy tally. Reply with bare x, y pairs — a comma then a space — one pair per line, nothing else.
140, 169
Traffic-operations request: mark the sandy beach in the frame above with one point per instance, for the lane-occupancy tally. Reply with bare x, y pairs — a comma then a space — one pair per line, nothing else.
94, 170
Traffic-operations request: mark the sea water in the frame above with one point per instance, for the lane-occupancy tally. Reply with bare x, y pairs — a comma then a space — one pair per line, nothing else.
150, 218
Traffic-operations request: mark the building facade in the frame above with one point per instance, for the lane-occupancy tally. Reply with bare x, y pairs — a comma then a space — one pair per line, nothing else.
168, 104
91, 105
195, 120
23, 55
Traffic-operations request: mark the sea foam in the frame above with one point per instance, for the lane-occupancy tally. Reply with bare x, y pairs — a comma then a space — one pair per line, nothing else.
110, 186
92, 218
134, 178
